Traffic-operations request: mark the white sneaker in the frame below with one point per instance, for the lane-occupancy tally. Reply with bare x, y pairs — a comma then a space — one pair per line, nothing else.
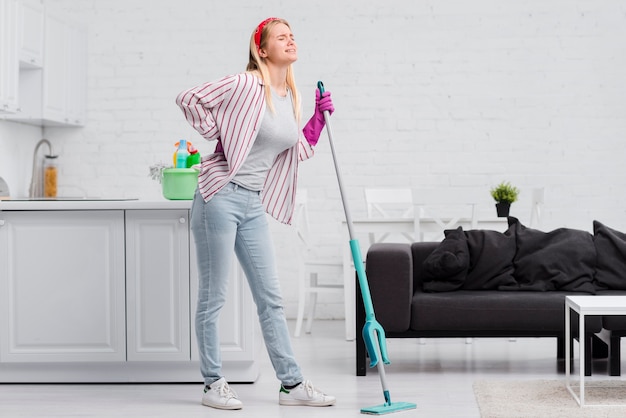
219, 395
305, 394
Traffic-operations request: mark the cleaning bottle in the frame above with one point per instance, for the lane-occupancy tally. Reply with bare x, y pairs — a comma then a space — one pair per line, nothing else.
194, 156
182, 154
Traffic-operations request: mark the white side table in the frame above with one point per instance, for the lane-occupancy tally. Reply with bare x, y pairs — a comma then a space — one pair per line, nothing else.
587, 305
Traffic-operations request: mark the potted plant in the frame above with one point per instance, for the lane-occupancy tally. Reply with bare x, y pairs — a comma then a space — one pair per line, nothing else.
504, 194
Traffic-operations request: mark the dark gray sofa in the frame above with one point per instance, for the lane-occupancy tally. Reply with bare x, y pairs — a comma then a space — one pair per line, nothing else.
492, 284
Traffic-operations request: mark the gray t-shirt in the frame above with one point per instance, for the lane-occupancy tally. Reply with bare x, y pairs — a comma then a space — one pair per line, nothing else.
278, 132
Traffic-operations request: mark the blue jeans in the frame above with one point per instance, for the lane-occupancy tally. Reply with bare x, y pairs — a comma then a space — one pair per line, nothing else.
234, 219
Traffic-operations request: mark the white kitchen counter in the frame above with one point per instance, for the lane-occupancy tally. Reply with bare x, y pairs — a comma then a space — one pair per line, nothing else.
105, 290
93, 204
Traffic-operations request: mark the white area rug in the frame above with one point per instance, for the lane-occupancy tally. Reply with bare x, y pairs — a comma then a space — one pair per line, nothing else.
548, 398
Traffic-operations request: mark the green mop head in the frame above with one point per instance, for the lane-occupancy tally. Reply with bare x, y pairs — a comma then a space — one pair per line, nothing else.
388, 408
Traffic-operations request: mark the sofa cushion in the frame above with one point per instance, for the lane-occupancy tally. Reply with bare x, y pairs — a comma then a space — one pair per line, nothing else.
611, 257
491, 256
445, 268
562, 259
470, 311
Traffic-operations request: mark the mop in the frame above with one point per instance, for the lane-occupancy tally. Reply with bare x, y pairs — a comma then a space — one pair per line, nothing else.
373, 332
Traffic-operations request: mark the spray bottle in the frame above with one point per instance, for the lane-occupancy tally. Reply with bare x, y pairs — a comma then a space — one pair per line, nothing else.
194, 156
182, 154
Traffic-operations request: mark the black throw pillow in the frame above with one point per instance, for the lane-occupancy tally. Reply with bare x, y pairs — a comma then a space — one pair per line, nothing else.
444, 270
563, 259
611, 257
491, 259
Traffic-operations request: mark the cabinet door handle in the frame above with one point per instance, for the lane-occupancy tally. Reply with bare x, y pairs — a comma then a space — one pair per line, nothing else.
182, 220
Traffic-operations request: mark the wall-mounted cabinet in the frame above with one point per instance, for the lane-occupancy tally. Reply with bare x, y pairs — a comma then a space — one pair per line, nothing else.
30, 33
9, 66
76, 76
64, 46
50, 54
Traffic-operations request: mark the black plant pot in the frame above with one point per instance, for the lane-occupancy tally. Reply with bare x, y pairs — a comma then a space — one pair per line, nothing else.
503, 209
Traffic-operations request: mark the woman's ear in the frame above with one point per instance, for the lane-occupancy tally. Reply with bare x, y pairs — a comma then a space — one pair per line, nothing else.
262, 53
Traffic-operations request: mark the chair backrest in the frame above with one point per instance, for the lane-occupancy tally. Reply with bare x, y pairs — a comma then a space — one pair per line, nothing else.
536, 208
438, 210
432, 220
301, 219
306, 243
389, 203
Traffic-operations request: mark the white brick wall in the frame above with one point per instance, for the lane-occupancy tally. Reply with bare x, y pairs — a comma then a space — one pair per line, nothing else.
448, 95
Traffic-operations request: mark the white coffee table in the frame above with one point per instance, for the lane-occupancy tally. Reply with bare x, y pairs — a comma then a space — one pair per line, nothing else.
587, 305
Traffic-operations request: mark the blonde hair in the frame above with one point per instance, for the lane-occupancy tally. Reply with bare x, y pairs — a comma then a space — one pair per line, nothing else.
256, 64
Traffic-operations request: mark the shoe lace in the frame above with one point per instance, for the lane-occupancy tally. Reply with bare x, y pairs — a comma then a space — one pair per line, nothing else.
226, 392
310, 389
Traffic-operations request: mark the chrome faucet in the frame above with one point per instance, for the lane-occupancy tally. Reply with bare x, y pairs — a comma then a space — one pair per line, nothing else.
36, 181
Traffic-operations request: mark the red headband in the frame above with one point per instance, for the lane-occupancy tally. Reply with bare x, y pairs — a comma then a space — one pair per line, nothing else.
259, 29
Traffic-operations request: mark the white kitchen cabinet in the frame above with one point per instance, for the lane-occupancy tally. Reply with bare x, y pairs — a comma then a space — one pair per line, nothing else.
76, 81
105, 291
9, 65
30, 33
62, 286
64, 76
54, 94
157, 285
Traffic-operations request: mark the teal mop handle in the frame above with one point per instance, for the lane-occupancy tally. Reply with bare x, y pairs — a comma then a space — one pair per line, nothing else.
354, 243
320, 86
373, 332
363, 283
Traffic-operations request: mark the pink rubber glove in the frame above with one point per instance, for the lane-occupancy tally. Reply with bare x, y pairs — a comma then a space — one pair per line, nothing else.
315, 125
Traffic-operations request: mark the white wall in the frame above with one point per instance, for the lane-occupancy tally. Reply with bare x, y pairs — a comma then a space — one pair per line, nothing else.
451, 95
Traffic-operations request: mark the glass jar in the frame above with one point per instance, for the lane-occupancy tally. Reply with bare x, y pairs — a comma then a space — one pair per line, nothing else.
50, 175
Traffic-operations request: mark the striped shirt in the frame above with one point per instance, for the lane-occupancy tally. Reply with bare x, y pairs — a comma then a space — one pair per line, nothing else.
231, 110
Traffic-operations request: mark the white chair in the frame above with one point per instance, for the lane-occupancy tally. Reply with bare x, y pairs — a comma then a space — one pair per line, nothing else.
536, 209
431, 220
389, 203
310, 269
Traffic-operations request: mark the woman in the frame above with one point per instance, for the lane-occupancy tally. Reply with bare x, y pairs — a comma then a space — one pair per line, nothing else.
254, 116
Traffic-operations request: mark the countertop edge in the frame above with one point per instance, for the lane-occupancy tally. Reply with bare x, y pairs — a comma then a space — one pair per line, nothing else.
23, 205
